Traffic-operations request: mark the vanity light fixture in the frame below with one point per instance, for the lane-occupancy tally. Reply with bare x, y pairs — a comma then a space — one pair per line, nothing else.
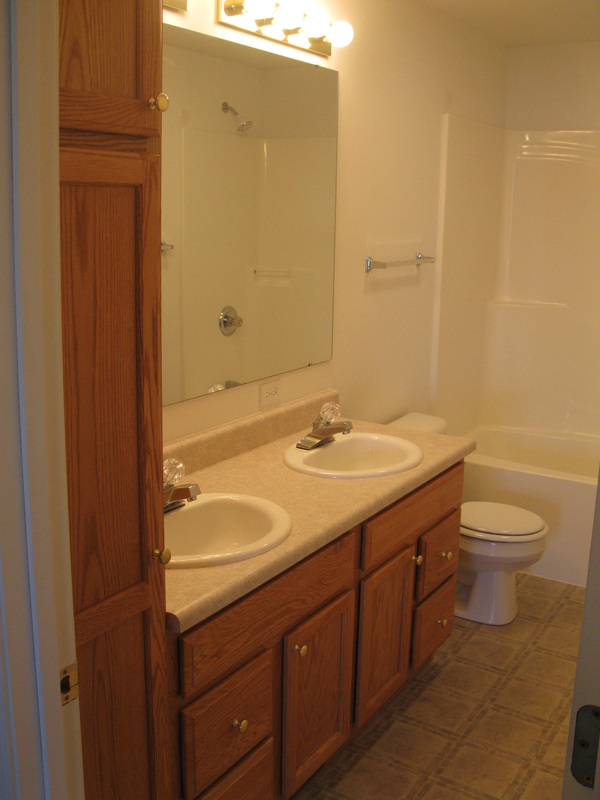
300, 23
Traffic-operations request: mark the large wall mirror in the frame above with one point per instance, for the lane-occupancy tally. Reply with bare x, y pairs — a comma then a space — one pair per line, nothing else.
248, 214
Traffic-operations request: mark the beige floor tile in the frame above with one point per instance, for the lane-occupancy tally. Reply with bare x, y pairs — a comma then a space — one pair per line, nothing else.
476, 682
521, 629
440, 792
411, 745
481, 771
371, 779
440, 710
569, 614
507, 733
576, 594
543, 786
548, 669
563, 641
536, 605
534, 583
555, 752
490, 650
530, 699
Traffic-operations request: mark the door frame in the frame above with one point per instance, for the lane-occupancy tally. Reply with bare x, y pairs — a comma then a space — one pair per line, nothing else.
39, 739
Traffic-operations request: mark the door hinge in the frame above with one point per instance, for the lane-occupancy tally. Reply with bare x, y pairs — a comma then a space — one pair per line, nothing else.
69, 683
585, 745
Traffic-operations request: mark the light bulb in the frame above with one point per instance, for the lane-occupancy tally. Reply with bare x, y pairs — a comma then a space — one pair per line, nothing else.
299, 40
341, 33
259, 9
316, 22
289, 15
273, 32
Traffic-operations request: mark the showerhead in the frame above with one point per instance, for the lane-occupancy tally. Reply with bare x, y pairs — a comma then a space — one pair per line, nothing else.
242, 124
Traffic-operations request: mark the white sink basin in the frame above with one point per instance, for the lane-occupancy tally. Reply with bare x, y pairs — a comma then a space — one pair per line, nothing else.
219, 528
356, 455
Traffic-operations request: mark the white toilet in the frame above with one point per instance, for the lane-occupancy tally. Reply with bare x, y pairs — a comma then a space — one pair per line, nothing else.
496, 541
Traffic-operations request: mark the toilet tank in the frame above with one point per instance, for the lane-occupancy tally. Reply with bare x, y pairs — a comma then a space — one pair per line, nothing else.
421, 422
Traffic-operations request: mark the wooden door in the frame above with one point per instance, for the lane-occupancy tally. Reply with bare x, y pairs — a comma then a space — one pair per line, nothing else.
110, 254
317, 690
384, 633
110, 65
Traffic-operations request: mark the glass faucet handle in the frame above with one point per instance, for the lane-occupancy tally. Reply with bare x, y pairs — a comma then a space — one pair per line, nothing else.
329, 412
173, 471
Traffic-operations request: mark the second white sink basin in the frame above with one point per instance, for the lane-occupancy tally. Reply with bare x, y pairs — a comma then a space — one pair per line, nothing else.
218, 528
356, 455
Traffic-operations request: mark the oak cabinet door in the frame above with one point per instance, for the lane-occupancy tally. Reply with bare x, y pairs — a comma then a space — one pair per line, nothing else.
110, 65
110, 246
384, 633
317, 690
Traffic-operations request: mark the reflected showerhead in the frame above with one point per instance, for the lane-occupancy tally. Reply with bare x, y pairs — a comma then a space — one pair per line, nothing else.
242, 124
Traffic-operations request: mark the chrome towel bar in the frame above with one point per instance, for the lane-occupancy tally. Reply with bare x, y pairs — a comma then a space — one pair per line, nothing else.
416, 261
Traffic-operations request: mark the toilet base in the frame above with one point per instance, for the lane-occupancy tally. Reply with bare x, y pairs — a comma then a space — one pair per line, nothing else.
487, 597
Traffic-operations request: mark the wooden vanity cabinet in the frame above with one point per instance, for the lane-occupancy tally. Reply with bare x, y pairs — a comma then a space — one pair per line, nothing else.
420, 533
341, 631
317, 690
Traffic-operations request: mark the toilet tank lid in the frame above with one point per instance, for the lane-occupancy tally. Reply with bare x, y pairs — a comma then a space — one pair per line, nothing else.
421, 422
499, 518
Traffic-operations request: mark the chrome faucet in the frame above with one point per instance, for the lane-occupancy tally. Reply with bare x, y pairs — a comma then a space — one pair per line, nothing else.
177, 494
324, 428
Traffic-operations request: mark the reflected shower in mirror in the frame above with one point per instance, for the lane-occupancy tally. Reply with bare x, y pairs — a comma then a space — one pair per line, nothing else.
248, 214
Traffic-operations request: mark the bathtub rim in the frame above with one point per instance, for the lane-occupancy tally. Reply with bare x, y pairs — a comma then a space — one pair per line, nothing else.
519, 466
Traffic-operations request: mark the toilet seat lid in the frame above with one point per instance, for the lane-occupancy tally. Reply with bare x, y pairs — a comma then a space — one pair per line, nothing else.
498, 518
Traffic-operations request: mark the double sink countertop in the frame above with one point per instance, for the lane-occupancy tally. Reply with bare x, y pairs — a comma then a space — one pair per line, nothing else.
322, 509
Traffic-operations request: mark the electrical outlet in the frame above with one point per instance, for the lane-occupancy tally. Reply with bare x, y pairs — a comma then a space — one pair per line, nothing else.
269, 394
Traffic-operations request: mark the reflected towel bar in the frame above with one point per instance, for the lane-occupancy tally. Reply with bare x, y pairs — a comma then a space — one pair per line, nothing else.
416, 262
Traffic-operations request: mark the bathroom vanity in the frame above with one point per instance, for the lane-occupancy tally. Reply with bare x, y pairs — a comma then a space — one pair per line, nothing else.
270, 681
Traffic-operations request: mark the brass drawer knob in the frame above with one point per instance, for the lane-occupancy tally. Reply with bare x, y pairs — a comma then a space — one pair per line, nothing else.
160, 102
417, 559
447, 555
241, 726
301, 650
164, 556
442, 622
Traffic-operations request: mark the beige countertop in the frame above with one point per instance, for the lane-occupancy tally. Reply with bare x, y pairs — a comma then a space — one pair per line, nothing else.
321, 510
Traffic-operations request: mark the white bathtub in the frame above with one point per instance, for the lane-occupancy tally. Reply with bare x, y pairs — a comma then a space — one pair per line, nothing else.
554, 475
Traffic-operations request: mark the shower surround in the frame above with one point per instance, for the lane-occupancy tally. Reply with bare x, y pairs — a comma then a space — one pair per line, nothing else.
520, 348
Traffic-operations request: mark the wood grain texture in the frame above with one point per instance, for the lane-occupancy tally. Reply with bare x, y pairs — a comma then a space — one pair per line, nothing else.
435, 546
384, 634
217, 646
251, 779
402, 523
317, 690
429, 633
210, 742
110, 65
113, 709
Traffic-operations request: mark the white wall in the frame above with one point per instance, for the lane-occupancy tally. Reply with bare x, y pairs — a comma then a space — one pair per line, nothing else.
404, 69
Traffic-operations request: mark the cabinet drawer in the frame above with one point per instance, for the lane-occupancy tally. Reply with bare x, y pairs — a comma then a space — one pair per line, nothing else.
211, 743
439, 551
216, 647
433, 621
251, 779
401, 524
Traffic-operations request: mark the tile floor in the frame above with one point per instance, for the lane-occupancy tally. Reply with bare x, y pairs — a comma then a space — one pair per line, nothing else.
488, 718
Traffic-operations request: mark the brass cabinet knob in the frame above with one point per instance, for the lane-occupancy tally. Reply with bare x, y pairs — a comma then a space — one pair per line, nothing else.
241, 726
164, 556
302, 650
160, 102
442, 622
447, 555
417, 559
